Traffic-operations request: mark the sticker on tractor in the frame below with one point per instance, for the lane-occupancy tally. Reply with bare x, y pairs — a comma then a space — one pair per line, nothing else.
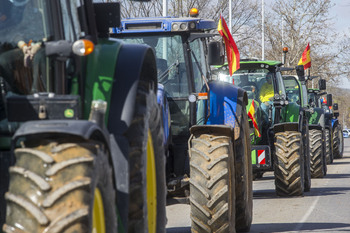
203, 96
68, 113
261, 157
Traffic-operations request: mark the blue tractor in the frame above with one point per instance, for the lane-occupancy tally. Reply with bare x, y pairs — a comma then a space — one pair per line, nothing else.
206, 136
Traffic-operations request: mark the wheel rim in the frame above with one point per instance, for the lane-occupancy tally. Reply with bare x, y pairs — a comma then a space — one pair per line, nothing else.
151, 186
98, 218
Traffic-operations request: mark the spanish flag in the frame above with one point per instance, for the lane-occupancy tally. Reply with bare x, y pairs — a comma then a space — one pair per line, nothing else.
231, 47
305, 59
251, 114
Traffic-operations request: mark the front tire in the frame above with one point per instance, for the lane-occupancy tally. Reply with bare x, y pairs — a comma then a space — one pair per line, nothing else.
61, 185
244, 177
147, 182
289, 164
212, 183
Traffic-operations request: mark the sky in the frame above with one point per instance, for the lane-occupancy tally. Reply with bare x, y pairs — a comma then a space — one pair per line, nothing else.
341, 14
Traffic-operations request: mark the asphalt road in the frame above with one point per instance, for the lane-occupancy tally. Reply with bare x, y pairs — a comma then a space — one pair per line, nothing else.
326, 208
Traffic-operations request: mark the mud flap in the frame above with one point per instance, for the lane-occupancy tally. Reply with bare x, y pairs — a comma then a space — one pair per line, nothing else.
261, 157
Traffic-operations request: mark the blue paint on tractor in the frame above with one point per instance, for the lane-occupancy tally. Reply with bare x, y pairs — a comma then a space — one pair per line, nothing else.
163, 24
223, 103
161, 99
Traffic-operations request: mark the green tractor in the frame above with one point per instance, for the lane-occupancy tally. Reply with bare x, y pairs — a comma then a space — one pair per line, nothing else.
279, 127
333, 130
297, 92
80, 124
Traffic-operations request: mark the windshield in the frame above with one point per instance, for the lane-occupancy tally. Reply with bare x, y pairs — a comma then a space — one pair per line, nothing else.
170, 60
292, 89
257, 83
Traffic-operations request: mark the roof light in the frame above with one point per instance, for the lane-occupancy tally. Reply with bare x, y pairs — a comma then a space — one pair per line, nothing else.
194, 12
83, 47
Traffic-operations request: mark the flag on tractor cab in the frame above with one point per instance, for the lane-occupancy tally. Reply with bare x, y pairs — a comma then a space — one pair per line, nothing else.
251, 114
305, 59
231, 47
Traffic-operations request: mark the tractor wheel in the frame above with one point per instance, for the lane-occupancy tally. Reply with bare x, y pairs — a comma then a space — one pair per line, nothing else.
317, 163
212, 184
289, 164
328, 146
147, 166
244, 177
338, 142
61, 185
341, 151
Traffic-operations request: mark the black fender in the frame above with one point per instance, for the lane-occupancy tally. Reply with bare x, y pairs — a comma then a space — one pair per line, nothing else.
288, 126
224, 130
84, 129
242, 99
135, 62
318, 127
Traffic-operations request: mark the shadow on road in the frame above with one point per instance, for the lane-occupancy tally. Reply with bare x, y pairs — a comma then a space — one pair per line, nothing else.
327, 191
337, 176
298, 227
270, 193
178, 230
338, 162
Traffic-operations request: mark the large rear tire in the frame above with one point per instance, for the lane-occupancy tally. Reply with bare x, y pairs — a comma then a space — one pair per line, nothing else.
61, 185
316, 151
289, 164
147, 182
212, 183
244, 177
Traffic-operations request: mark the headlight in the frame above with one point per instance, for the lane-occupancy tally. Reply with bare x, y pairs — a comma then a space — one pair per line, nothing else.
183, 26
175, 27
192, 98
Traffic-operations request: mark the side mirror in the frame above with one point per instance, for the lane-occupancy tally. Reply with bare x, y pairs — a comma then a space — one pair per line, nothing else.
329, 100
107, 16
322, 84
335, 106
215, 56
300, 72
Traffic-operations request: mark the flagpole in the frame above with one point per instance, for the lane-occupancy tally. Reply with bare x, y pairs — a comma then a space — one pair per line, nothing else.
230, 15
165, 7
263, 30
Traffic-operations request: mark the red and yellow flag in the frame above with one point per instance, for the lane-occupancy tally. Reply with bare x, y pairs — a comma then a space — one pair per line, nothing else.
251, 114
231, 47
305, 59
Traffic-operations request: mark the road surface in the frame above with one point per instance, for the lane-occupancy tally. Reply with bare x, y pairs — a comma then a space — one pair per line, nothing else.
326, 208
